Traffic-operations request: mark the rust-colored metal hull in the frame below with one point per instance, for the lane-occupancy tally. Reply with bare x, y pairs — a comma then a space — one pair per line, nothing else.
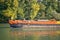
33, 22
29, 23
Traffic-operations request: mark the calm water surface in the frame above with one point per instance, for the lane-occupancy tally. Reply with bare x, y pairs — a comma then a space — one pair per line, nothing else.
7, 33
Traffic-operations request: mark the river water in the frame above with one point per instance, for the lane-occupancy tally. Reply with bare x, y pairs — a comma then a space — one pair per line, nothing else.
28, 33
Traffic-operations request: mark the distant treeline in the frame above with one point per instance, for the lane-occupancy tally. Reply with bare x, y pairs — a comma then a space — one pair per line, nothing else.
29, 10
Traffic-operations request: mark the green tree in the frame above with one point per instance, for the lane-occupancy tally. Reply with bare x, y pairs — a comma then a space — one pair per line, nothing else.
49, 12
42, 10
35, 8
56, 15
58, 8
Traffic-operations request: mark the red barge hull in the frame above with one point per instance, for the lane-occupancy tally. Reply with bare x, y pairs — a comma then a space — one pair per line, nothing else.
20, 23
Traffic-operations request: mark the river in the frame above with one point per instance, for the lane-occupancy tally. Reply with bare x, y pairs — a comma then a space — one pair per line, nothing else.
28, 33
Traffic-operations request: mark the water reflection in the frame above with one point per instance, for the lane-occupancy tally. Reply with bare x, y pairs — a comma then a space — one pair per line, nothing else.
16, 34
21, 34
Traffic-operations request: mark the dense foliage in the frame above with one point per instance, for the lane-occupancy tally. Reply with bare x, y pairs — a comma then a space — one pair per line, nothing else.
29, 9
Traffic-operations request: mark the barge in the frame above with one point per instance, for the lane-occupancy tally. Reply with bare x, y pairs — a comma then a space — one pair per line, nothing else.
33, 23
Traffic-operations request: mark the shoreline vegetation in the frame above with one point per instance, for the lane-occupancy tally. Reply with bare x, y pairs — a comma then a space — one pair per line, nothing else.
29, 10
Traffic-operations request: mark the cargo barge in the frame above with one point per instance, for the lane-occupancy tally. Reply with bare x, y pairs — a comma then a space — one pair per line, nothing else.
33, 23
